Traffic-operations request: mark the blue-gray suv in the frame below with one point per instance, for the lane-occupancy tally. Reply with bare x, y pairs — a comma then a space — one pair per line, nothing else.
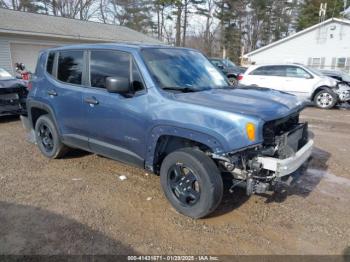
170, 111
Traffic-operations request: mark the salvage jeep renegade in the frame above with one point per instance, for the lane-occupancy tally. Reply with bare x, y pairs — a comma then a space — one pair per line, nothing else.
170, 111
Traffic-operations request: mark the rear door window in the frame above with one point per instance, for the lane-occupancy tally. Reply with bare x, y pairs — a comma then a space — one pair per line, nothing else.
70, 66
260, 71
277, 71
269, 71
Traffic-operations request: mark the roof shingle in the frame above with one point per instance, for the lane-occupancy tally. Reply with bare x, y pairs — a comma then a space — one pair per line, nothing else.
60, 27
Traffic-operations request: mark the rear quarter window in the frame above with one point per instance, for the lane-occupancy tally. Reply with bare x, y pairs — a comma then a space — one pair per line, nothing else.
49, 63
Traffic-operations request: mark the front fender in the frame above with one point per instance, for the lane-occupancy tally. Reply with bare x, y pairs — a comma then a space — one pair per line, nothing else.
210, 141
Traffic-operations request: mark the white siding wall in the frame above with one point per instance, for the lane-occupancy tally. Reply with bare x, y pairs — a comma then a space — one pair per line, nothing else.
5, 55
6, 40
317, 43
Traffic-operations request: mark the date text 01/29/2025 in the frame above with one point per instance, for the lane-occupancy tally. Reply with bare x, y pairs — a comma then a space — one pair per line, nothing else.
172, 258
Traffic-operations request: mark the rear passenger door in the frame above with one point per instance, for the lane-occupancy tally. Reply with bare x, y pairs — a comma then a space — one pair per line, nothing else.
63, 91
116, 123
268, 76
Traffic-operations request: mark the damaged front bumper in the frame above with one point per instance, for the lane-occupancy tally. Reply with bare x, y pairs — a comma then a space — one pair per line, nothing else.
283, 167
261, 169
343, 92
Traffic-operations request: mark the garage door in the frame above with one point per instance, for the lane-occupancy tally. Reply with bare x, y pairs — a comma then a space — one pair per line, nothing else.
27, 54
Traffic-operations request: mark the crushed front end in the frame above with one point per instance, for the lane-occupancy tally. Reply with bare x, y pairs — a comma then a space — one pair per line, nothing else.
286, 147
13, 100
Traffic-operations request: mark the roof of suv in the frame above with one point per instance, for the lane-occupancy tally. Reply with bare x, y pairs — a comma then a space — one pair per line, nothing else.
289, 64
128, 46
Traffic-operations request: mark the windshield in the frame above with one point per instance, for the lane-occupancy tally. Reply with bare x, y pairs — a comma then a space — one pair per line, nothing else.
229, 63
183, 70
346, 77
4, 75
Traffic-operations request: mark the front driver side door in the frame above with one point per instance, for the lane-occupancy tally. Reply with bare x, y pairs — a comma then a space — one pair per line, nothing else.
299, 82
116, 123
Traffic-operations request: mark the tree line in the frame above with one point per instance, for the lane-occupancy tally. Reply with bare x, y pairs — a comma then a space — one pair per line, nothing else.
231, 27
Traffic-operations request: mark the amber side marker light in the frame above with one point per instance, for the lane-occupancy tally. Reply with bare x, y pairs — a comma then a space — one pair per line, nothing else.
250, 129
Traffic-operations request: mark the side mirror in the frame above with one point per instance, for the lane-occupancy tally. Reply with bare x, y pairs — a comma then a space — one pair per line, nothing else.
116, 84
220, 67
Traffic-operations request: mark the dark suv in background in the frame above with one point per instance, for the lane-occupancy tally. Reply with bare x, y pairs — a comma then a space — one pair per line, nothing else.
13, 93
170, 111
229, 68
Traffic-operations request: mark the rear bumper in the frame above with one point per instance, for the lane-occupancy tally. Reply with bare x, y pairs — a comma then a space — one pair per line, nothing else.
283, 167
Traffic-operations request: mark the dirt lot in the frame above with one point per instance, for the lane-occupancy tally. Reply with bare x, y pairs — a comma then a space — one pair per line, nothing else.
78, 205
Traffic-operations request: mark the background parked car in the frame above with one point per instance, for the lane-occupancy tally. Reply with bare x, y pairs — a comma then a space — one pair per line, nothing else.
230, 69
302, 81
338, 75
13, 93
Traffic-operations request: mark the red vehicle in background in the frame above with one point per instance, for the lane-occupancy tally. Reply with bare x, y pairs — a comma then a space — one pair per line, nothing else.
22, 72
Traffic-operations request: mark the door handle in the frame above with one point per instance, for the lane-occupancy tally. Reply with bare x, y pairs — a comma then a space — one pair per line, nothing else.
52, 93
91, 101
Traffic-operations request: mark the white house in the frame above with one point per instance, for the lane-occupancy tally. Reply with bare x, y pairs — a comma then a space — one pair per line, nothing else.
324, 46
23, 35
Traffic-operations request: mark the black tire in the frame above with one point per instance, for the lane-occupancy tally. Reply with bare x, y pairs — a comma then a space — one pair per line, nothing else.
325, 99
48, 139
233, 81
207, 184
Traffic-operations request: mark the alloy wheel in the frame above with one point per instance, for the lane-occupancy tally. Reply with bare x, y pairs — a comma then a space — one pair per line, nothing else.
324, 99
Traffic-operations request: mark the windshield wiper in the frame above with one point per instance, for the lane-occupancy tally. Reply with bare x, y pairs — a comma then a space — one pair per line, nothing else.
181, 89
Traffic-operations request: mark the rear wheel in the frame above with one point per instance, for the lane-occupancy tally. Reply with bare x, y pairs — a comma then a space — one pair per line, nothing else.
191, 182
326, 99
48, 139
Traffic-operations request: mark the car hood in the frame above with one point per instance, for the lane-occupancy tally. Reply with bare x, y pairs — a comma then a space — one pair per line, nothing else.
328, 81
13, 82
262, 103
11, 86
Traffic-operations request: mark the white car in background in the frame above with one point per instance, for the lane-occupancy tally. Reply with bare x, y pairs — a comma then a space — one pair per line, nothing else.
302, 81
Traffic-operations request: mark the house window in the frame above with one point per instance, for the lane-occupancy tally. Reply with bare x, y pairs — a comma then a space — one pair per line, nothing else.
341, 62
316, 62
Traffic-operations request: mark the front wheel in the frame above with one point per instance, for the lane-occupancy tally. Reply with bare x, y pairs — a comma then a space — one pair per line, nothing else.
325, 99
191, 182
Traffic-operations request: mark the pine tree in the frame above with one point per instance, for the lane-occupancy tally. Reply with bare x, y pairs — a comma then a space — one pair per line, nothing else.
309, 13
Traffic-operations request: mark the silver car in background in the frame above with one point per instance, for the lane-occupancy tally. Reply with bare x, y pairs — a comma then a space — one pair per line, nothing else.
304, 82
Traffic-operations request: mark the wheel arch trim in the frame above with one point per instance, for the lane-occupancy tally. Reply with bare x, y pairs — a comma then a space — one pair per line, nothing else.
40, 105
318, 89
211, 142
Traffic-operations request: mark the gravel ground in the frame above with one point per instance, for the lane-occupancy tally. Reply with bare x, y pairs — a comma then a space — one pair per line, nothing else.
79, 204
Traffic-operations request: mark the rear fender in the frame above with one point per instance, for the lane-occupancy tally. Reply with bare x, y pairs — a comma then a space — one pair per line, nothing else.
40, 105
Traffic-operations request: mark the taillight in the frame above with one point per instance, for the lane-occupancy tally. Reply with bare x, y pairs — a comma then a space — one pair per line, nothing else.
29, 85
240, 77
